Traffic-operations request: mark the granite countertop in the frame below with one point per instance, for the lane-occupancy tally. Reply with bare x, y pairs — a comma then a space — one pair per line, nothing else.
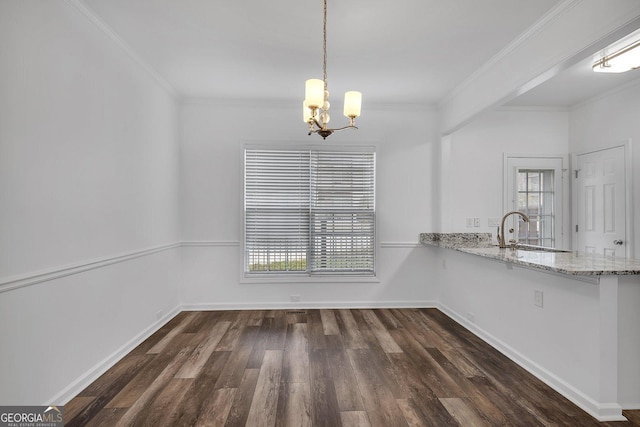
571, 263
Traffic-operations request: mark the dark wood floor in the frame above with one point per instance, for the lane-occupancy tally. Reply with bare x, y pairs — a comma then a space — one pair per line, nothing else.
404, 367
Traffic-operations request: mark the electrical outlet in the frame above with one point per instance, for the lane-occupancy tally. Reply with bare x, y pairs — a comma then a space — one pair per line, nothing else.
538, 298
476, 222
469, 222
294, 298
493, 222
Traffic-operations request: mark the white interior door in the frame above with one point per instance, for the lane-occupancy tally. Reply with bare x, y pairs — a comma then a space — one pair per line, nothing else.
601, 202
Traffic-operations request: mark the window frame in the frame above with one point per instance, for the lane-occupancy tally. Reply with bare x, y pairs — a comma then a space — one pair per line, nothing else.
559, 164
306, 276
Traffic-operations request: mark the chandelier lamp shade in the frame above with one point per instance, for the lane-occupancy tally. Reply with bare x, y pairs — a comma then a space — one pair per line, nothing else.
315, 108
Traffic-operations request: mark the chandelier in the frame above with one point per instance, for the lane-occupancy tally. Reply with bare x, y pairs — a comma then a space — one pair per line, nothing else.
316, 98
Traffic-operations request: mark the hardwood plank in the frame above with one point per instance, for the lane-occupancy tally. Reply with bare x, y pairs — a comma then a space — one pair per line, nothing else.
137, 384
429, 410
415, 322
162, 411
365, 331
463, 412
329, 322
344, 379
117, 380
633, 417
324, 407
297, 406
232, 335
255, 317
178, 329
117, 376
381, 333
265, 399
354, 419
260, 343
388, 319
296, 356
234, 369
216, 410
315, 331
412, 418
378, 400
203, 351
202, 321
241, 405
201, 388
323, 367
506, 411
433, 375
278, 332
106, 418
138, 409
75, 406
350, 332
484, 405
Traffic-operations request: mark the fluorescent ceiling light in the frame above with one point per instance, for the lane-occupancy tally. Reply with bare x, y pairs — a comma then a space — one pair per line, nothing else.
621, 56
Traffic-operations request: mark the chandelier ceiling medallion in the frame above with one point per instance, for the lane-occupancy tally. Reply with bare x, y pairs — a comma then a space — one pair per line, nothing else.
316, 98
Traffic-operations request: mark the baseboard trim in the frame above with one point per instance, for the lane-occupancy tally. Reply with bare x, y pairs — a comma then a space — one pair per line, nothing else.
600, 411
73, 389
282, 305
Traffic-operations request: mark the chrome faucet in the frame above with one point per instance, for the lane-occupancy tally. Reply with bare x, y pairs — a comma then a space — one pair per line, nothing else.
501, 241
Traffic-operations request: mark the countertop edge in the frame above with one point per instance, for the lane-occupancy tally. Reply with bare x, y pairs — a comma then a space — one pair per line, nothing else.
572, 263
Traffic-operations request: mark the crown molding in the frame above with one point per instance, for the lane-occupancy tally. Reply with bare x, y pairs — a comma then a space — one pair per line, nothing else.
532, 109
296, 103
535, 56
81, 6
547, 19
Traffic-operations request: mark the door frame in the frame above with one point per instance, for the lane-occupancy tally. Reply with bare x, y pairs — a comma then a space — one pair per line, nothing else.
628, 177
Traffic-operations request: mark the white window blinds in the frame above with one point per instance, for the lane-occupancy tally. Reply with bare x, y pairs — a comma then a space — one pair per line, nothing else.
342, 212
309, 211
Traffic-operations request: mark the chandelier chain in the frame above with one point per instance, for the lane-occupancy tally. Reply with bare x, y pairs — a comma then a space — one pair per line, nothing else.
324, 45
316, 107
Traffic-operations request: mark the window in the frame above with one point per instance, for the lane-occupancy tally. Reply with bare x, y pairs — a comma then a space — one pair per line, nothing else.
535, 198
534, 186
309, 211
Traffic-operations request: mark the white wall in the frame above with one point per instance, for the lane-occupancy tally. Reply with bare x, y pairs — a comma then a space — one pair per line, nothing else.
565, 341
561, 337
89, 191
472, 161
213, 137
607, 121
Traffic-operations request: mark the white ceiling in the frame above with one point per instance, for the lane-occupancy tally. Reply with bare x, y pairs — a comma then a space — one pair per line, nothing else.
574, 85
396, 51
